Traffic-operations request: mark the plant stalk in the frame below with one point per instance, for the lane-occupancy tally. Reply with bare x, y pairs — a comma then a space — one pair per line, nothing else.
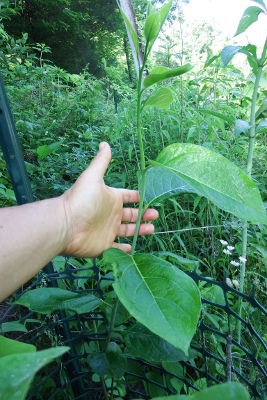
249, 169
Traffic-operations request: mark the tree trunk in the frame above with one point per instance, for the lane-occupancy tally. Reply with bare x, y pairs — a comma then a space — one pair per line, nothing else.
127, 59
127, 8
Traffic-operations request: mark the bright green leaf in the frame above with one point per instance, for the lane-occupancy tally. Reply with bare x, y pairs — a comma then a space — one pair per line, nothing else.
224, 117
157, 294
228, 53
248, 18
158, 74
161, 99
55, 146
241, 126
216, 178
262, 126
9, 346
154, 22
47, 300
43, 151
161, 184
18, 370
229, 391
142, 343
261, 3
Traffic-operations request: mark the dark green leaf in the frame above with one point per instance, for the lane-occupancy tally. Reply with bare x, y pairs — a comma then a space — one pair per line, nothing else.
161, 99
248, 18
142, 343
216, 178
158, 74
161, 184
12, 327
18, 370
132, 33
157, 294
47, 300
111, 363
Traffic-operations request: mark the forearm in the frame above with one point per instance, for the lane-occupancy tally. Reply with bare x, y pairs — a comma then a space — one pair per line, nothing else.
30, 236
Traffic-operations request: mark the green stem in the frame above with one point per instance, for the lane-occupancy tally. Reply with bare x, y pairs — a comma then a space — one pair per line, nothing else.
249, 169
111, 326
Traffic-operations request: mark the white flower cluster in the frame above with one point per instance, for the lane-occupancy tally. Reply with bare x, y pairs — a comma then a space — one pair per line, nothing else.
228, 251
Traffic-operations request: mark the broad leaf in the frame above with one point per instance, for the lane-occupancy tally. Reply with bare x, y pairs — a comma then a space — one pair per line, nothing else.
228, 53
229, 391
132, 33
213, 176
157, 294
18, 370
142, 343
161, 184
111, 363
248, 18
14, 326
9, 346
189, 265
47, 300
43, 151
154, 22
161, 99
158, 74
241, 126
260, 3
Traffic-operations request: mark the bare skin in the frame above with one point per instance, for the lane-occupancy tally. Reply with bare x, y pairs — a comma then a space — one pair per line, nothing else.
82, 222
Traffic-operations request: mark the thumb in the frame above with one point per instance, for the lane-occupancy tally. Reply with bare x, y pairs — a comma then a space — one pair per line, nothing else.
101, 162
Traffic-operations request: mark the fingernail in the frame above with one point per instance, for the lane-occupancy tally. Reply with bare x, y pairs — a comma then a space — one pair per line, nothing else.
102, 145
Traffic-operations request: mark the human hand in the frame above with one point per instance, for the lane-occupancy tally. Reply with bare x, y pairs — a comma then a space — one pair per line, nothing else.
94, 212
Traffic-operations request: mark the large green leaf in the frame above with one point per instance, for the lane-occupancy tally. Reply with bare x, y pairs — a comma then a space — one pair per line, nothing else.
241, 126
216, 178
18, 370
157, 294
229, 391
228, 53
47, 300
248, 18
143, 343
158, 74
162, 183
9, 346
161, 99
154, 22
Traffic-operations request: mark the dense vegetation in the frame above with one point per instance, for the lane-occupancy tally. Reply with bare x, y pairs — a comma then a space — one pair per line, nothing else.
65, 102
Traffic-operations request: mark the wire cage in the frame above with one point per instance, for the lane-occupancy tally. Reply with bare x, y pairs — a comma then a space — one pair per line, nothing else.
216, 353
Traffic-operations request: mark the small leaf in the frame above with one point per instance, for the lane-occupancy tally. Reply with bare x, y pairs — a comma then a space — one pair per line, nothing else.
157, 294
43, 151
14, 326
260, 3
161, 99
47, 300
17, 371
262, 126
261, 109
55, 146
248, 18
158, 74
162, 184
216, 178
228, 53
224, 117
241, 126
111, 363
229, 391
141, 342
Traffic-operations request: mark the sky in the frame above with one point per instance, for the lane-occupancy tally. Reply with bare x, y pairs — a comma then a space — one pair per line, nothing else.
227, 13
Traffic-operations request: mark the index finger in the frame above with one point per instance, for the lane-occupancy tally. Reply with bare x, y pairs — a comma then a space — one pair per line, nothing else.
130, 196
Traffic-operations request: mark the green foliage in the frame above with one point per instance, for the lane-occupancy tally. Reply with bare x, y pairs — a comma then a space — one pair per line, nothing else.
19, 362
